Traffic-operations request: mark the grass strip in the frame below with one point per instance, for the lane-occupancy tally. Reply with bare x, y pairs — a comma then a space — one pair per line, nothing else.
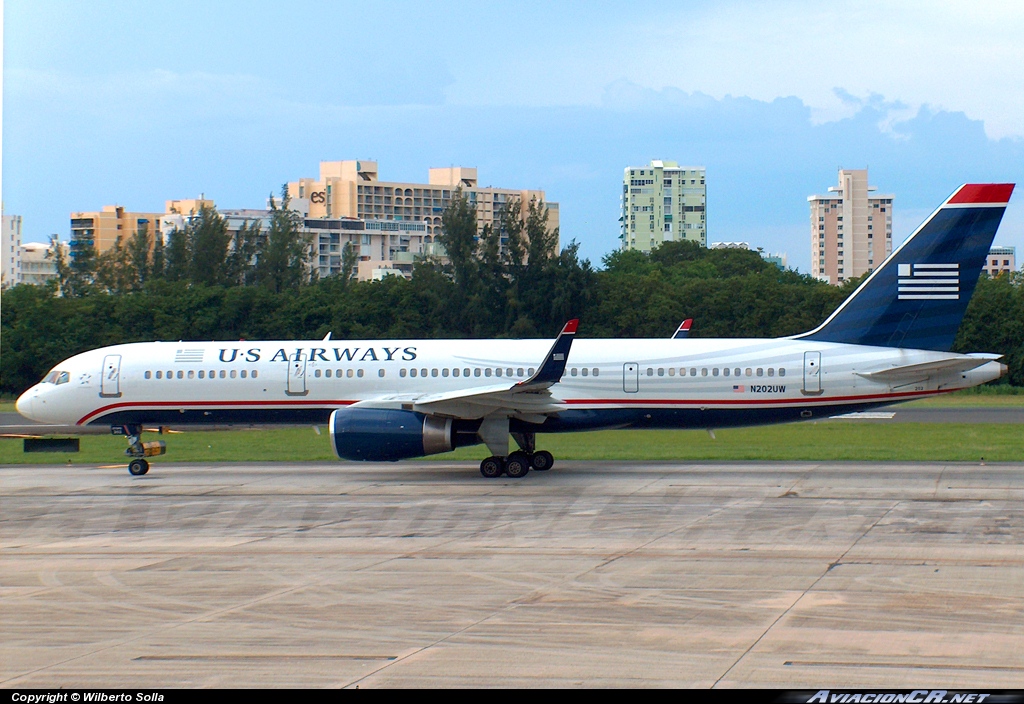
816, 441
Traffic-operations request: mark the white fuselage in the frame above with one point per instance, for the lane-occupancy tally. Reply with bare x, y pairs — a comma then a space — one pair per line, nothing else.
729, 381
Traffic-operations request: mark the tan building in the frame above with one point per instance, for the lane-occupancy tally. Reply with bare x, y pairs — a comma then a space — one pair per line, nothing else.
1001, 260
10, 251
851, 230
351, 189
101, 229
663, 202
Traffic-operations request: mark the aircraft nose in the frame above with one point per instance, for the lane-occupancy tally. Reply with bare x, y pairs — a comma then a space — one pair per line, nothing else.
25, 403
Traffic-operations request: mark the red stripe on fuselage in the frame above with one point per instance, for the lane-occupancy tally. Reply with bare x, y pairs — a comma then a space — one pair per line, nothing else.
753, 403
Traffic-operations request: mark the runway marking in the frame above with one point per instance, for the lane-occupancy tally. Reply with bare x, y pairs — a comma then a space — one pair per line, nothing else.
865, 415
889, 665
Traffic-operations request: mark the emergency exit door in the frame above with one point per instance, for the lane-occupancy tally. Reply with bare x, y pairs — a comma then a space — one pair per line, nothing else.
297, 375
812, 373
630, 377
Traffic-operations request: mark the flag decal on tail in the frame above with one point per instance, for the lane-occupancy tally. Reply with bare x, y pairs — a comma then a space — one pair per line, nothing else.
929, 282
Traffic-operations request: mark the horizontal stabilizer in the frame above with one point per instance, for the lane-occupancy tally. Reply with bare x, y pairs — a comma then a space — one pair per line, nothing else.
960, 363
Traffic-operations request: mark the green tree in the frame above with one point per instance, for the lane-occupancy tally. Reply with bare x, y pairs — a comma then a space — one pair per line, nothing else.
281, 263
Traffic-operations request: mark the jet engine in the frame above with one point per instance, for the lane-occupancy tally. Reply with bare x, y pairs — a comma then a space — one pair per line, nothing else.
387, 435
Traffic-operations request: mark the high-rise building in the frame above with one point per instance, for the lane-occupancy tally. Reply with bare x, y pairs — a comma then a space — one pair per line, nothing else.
663, 202
10, 251
100, 229
851, 231
1001, 260
351, 189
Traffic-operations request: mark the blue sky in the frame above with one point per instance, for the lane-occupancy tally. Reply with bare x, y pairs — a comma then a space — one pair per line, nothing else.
135, 103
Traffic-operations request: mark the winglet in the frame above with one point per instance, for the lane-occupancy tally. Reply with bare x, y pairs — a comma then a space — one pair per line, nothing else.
684, 329
551, 369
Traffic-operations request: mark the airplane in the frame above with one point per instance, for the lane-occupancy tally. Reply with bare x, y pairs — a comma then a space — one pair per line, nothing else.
386, 400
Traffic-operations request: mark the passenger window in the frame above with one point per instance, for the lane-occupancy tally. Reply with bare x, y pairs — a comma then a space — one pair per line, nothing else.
661, 371
349, 373
704, 371
222, 374
497, 372
714, 372
149, 375
402, 373
412, 372
487, 372
254, 374
737, 371
530, 371
595, 371
508, 372
191, 374
244, 372
455, 372
202, 374
423, 372
181, 375
584, 371
671, 371
476, 372
749, 371
650, 371
233, 373
465, 372
572, 372
380, 373
327, 373
760, 371
519, 372
159, 375
693, 371
170, 375
444, 372
782, 371
315, 373
771, 371
725, 372
433, 372
359, 373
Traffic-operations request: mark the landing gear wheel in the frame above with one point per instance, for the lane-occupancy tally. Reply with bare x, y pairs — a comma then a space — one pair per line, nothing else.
492, 467
542, 461
517, 465
138, 467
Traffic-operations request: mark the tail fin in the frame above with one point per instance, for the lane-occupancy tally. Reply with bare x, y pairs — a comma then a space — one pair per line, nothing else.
917, 296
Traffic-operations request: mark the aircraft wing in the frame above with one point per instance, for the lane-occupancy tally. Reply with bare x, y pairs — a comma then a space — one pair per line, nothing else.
960, 363
529, 400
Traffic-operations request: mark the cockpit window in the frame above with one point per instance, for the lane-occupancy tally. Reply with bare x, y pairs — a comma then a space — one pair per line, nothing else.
57, 377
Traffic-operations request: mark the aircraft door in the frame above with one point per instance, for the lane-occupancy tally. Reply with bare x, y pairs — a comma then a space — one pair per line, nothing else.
297, 375
631, 377
110, 385
812, 374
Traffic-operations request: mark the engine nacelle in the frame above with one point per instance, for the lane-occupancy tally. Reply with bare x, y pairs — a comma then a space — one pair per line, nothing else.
386, 435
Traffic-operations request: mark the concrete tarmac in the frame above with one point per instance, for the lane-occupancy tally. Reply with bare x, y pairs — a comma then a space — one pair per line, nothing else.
795, 575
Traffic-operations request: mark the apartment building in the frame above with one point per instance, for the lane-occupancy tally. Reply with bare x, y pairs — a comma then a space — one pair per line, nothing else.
1001, 260
662, 202
101, 229
851, 228
352, 189
10, 250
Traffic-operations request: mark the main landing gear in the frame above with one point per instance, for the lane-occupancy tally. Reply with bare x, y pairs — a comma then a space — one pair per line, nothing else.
519, 463
139, 450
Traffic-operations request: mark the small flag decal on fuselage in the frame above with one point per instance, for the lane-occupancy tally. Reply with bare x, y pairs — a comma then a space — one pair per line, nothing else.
195, 355
738, 388
928, 282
